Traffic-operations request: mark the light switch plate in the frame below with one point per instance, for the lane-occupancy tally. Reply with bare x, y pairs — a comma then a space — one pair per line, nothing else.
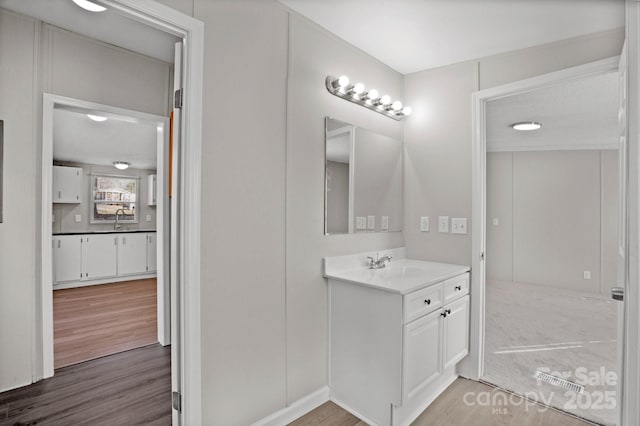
148, 217
424, 223
443, 223
371, 222
496, 221
587, 275
384, 223
459, 225
77, 218
361, 222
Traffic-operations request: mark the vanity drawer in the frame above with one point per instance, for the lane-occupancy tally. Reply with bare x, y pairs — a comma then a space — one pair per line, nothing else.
422, 302
456, 287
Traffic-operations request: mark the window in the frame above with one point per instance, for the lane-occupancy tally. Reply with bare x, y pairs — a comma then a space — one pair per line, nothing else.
111, 195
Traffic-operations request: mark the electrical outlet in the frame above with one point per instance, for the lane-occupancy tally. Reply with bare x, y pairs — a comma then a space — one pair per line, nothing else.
384, 223
77, 218
371, 222
361, 222
148, 218
443, 223
424, 223
496, 221
459, 225
586, 275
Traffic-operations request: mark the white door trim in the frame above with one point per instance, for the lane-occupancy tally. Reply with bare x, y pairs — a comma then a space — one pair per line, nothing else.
192, 32
472, 367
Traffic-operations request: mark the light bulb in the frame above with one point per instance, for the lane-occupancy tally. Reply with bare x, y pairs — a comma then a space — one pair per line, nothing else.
96, 117
372, 94
358, 88
406, 110
90, 6
396, 106
385, 100
121, 165
343, 81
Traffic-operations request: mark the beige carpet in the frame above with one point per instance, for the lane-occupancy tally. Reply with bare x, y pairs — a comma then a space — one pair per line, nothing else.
530, 328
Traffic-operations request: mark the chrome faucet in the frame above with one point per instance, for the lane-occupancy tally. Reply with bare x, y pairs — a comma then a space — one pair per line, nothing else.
379, 262
117, 225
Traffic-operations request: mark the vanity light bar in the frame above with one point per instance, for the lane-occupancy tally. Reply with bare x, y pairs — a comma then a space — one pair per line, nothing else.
357, 93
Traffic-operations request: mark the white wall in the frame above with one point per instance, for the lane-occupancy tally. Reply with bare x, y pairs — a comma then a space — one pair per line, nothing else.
438, 135
37, 58
556, 214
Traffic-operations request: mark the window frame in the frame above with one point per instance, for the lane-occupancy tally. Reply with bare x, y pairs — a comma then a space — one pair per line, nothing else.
136, 203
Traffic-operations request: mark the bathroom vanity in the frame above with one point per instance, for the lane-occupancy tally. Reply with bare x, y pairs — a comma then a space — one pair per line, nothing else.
396, 334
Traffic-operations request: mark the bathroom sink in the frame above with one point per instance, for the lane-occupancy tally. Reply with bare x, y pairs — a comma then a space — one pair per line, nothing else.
401, 275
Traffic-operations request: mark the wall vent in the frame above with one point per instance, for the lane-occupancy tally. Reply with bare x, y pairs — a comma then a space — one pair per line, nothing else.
558, 381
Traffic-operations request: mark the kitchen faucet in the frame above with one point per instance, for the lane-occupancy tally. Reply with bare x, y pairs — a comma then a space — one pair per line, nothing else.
379, 262
117, 225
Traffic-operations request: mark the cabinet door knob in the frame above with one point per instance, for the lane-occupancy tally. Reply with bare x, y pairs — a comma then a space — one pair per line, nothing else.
448, 311
427, 301
444, 314
458, 287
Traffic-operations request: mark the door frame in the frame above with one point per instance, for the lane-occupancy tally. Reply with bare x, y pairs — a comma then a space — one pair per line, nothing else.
473, 366
191, 31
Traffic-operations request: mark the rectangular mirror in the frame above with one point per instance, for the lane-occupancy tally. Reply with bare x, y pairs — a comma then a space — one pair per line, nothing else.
363, 180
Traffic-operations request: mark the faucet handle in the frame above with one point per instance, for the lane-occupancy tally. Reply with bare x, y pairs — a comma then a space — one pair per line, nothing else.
370, 260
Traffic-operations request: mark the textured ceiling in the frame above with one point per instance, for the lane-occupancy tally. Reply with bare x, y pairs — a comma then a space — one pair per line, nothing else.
414, 35
574, 115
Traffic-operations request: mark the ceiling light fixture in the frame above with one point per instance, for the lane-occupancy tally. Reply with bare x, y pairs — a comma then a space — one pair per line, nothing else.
339, 86
525, 126
90, 6
98, 118
121, 165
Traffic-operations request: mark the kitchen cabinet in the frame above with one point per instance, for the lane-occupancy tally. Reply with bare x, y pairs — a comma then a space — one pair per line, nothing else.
85, 259
152, 264
67, 258
99, 256
392, 352
132, 254
67, 184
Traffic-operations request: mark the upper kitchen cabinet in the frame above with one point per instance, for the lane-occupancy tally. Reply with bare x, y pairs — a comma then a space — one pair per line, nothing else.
67, 184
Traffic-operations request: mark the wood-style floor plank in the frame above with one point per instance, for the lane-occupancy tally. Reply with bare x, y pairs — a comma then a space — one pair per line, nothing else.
94, 321
132, 387
453, 408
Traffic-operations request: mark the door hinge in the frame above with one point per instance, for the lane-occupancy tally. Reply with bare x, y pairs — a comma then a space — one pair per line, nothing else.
176, 401
177, 98
482, 256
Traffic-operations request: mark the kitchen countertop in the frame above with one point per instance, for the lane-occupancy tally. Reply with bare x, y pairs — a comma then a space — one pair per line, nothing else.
401, 275
108, 231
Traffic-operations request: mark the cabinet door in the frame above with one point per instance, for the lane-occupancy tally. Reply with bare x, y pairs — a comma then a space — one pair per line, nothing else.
67, 184
456, 332
152, 264
99, 256
132, 254
421, 355
67, 258
152, 179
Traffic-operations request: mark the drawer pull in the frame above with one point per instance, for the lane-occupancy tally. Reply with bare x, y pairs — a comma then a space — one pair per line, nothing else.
427, 301
458, 288
443, 314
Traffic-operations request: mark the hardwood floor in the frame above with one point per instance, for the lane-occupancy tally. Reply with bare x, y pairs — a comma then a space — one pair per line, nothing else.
132, 387
94, 321
462, 404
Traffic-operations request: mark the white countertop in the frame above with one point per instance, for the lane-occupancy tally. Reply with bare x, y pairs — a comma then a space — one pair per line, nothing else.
401, 275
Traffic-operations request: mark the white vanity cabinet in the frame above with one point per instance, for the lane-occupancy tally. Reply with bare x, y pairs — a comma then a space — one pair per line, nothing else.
394, 349
67, 184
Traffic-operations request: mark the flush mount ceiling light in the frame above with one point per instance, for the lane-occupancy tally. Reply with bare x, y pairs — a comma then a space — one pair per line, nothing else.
525, 126
121, 165
90, 6
96, 117
356, 93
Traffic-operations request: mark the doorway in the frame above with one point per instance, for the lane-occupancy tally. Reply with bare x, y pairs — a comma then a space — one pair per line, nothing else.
486, 296
187, 128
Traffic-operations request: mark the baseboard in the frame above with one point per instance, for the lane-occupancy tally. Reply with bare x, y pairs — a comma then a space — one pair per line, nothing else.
295, 410
76, 284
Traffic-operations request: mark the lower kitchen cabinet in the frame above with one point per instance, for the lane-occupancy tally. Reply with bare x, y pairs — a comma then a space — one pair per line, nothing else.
99, 256
132, 254
67, 258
